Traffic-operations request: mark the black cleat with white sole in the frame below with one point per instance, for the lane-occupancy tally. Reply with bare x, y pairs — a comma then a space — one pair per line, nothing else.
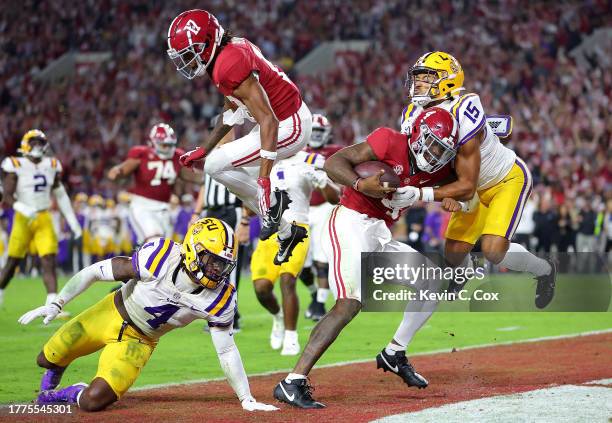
545, 291
399, 365
271, 221
286, 246
297, 393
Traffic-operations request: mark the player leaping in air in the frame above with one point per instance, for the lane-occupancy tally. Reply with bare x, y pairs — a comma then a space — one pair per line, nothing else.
169, 285
255, 90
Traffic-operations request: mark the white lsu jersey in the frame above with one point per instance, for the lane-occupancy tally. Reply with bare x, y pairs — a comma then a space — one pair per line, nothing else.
163, 297
297, 175
496, 160
34, 180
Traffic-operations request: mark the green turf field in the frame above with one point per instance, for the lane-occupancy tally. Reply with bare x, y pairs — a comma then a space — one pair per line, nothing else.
187, 354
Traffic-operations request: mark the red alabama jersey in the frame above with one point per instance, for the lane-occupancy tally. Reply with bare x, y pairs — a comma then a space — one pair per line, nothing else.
238, 60
154, 177
326, 151
391, 147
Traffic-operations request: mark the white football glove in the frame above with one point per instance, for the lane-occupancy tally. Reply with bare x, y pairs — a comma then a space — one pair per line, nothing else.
403, 197
317, 177
49, 312
250, 404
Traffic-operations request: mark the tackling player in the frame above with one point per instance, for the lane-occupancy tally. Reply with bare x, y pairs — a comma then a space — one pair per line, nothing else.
169, 285
299, 176
497, 181
361, 224
254, 90
28, 184
320, 209
155, 168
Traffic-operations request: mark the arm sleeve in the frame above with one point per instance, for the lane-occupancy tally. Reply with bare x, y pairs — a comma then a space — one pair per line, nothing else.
379, 142
100, 271
63, 202
231, 362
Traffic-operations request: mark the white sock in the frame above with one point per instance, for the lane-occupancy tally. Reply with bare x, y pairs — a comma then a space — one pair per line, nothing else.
51, 297
312, 288
392, 348
322, 294
284, 229
293, 376
519, 259
291, 336
1, 296
278, 316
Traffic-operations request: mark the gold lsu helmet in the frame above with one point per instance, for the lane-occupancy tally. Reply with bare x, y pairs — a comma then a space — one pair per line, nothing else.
446, 82
210, 251
34, 144
95, 200
81, 197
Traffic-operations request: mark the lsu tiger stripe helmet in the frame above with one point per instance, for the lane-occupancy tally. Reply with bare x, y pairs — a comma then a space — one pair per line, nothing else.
441, 71
209, 251
95, 200
34, 144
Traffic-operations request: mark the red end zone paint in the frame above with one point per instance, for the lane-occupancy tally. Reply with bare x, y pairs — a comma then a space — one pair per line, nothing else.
360, 393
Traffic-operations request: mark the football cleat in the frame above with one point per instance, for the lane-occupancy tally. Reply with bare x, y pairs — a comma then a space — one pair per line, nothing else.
545, 291
68, 395
51, 379
297, 393
399, 365
270, 221
286, 246
315, 310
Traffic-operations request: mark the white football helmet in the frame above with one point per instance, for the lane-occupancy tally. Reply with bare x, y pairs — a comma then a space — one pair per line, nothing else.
163, 139
321, 131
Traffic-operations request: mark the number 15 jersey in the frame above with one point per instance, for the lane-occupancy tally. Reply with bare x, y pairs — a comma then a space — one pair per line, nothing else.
163, 297
496, 160
34, 180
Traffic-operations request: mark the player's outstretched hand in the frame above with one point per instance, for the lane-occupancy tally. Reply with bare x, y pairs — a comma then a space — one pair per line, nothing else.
190, 157
250, 404
49, 312
372, 187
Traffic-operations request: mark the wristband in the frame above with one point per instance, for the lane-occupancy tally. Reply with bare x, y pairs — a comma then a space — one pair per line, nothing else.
427, 194
265, 154
356, 183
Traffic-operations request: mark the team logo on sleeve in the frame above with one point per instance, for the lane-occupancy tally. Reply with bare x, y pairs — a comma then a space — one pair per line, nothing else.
191, 26
398, 169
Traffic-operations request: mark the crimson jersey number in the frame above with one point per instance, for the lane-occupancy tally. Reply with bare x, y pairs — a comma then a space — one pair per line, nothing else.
163, 170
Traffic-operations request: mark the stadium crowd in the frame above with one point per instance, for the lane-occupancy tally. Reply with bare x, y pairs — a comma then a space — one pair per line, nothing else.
518, 62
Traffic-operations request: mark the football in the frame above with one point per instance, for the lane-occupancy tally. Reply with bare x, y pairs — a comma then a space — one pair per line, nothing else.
367, 169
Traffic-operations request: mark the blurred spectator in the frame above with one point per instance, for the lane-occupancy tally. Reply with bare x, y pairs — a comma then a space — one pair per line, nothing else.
546, 226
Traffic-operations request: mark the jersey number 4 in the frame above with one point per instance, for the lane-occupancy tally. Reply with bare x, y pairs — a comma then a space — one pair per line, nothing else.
163, 170
162, 314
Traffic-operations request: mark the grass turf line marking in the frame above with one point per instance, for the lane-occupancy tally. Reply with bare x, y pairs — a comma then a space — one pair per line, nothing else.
343, 363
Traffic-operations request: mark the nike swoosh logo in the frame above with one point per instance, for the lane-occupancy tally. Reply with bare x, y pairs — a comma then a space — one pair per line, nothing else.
289, 397
395, 369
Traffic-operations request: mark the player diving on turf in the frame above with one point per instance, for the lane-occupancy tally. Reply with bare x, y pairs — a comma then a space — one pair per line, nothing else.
168, 285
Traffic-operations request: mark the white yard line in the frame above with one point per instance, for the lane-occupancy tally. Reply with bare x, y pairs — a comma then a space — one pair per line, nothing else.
343, 363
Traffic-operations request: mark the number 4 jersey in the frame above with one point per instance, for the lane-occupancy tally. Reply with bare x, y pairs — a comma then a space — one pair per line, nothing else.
154, 177
496, 160
163, 297
34, 180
